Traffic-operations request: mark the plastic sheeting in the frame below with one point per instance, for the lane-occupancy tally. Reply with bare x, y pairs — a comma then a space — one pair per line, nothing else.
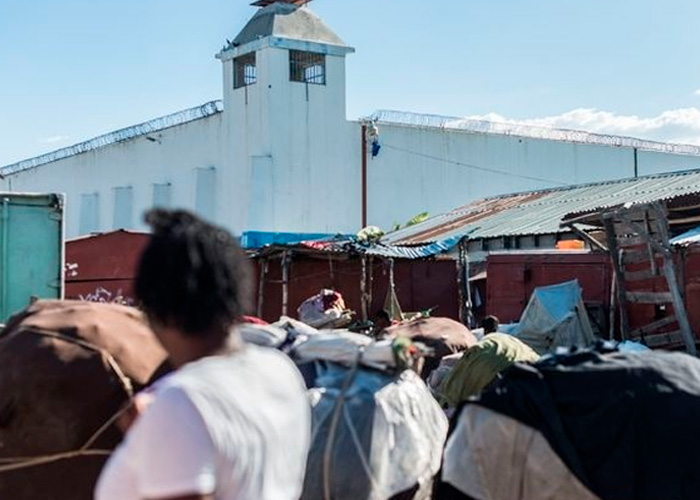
346, 348
485, 441
555, 317
374, 435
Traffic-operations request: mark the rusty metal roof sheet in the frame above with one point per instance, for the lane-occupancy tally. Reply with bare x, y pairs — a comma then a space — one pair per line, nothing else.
541, 212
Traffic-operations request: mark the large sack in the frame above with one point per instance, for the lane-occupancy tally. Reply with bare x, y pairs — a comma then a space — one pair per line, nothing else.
625, 424
375, 435
445, 336
326, 309
66, 368
480, 365
483, 441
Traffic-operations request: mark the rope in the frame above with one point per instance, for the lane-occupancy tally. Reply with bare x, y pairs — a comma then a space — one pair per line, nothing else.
11, 464
17, 463
334, 427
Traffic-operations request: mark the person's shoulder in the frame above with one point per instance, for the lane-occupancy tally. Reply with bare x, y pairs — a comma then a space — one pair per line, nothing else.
275, 365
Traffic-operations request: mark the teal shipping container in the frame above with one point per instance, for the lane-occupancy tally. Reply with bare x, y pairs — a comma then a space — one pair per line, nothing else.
31, 250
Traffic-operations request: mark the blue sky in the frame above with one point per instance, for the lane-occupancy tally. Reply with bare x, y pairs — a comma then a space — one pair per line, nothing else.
73, 69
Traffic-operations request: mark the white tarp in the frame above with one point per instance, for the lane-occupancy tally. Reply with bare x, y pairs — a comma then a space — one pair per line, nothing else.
374, 435
555, 317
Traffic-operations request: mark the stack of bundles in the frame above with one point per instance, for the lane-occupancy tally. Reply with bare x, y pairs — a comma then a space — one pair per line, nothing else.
443, 335
481, 364
377, 431
326, 309
581, 426
555, 317
66, 370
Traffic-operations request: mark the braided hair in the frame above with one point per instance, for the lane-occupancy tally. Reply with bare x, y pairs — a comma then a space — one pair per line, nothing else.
192, 274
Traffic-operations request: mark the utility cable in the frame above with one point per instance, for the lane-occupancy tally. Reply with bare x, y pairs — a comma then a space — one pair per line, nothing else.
474, 167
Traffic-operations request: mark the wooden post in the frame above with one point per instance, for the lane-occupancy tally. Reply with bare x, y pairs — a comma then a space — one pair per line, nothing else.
611, 312
465, 297
672, 279
370, 293
261, 286
616, 257
460, 289
286, 258
363, 288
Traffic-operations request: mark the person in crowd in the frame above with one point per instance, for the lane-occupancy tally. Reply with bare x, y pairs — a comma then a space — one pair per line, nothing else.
490, 324
381, 321
233, 420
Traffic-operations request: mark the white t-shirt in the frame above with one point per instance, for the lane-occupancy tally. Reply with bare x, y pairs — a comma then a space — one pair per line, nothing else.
237, 426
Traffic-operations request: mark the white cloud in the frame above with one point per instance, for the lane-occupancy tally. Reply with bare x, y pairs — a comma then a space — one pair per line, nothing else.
54, 139
676, 125
697, 92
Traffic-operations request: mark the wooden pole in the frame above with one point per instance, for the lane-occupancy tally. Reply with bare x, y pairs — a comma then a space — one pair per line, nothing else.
613, 305
261, 286
363, 288
619, 275
672, 279
285, 282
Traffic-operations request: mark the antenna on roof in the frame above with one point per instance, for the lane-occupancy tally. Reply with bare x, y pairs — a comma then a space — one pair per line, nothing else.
265, 3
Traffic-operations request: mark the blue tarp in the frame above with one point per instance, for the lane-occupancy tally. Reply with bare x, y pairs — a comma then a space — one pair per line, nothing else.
687, 238
258, 239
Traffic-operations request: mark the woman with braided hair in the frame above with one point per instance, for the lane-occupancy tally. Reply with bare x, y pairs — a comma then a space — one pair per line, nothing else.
232, 421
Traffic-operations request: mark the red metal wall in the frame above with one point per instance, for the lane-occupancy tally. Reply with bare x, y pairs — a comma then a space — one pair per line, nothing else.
511, 278
101, 268
420, 285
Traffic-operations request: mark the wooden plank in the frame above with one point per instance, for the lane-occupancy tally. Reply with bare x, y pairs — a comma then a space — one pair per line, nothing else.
664, 339
616, 257
587, 237
635, 256
624, 227
672, 279
649, 297
641, 230
630, 241
652, 327
645, 274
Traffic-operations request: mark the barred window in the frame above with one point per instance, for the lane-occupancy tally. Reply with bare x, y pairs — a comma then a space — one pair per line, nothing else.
244, 71
307, 67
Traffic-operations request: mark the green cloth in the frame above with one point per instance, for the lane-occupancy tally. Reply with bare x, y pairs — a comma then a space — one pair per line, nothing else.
481, 363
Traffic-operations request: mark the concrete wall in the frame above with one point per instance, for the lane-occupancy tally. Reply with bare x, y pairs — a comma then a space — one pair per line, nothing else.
432, 169
174, 158
291, 144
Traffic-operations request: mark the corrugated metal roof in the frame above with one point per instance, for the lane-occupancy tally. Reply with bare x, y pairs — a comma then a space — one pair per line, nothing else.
149, 127
354, 247
529, 131
541, 212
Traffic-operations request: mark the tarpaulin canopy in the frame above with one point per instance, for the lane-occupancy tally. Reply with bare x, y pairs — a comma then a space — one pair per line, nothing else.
555, 317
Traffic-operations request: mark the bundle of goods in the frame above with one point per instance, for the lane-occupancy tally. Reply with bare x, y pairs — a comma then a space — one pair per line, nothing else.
377, 431
480, 366
583, 425
445, 336
325, 310
67, 371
